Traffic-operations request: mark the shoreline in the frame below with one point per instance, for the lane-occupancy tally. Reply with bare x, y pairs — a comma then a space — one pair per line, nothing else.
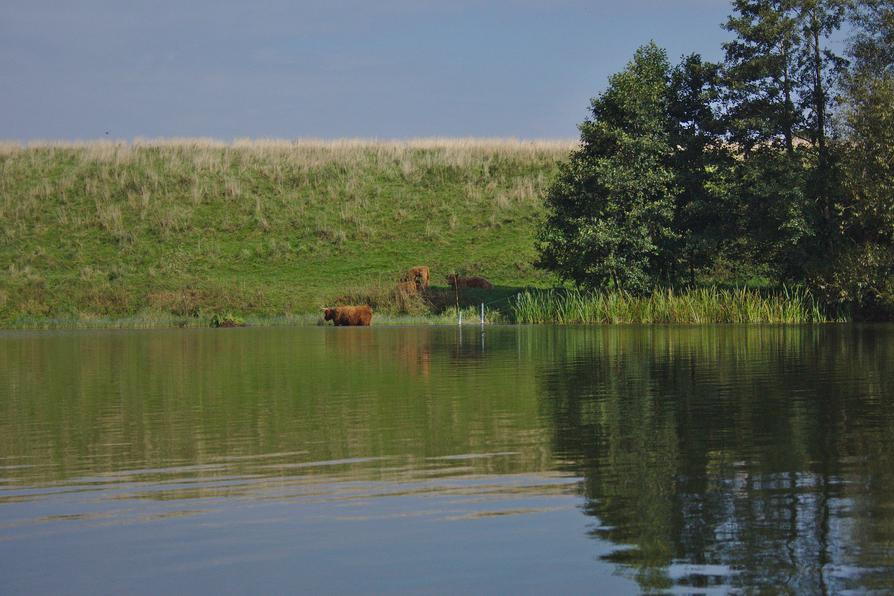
701, 306
161, 321
271, 322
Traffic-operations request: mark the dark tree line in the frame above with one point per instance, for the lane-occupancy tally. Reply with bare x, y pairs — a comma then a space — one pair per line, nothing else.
778, 162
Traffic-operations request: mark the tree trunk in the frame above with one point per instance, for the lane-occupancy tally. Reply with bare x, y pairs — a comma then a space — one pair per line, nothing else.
788, 115
819, 95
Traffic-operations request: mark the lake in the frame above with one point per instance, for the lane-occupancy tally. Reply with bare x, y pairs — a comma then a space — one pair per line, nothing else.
428, 459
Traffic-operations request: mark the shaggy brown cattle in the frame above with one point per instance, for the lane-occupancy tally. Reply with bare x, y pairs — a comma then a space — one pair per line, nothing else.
458, 282
349, 316
408, 287
418, 275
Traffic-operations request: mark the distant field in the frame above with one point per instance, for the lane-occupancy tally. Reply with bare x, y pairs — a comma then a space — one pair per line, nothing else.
188, 227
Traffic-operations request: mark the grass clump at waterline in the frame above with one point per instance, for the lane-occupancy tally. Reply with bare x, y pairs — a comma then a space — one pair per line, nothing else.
694, 306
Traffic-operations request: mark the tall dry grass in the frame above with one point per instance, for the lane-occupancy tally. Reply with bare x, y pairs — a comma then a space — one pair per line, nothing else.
150, 178
456, 151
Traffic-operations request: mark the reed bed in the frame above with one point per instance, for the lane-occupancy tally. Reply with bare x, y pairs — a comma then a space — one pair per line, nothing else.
695, 306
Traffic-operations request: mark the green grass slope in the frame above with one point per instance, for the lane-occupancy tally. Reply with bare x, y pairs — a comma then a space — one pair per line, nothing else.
263, 228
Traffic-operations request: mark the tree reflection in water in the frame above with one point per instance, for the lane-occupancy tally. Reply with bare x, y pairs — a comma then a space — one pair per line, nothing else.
759, 457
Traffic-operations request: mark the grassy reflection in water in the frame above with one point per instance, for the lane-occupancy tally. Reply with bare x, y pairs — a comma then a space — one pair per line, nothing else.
92, 402
695, 306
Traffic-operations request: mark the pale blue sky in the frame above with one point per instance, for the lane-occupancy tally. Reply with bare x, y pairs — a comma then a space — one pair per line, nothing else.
330, 68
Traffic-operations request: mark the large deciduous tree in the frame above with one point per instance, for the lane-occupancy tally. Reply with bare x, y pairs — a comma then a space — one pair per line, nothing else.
611, 208
705, 220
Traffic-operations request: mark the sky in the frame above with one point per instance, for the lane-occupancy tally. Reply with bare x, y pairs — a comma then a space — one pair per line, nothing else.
393, 69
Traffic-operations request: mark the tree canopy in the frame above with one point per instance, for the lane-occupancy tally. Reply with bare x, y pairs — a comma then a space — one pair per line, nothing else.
778, 162
612, 205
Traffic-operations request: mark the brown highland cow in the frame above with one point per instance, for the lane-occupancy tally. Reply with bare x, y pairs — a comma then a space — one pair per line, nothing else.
418, 275
349, 316
459, 282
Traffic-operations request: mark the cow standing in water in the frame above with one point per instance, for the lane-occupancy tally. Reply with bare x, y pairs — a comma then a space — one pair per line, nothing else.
349, 316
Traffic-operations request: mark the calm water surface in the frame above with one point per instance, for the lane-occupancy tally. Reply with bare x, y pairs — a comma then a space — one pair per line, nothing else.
532, 459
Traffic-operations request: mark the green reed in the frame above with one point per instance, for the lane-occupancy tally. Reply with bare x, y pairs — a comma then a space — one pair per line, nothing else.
694, 306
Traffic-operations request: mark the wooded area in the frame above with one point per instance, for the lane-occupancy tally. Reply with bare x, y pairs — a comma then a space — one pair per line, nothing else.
776, 164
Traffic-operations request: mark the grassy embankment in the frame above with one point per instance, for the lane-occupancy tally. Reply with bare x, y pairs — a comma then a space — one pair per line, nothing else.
163, 233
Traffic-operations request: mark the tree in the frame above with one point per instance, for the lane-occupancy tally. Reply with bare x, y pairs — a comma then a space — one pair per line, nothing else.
760, 74
775, 214
869, 163
703, 218
611, 207
779, 73
872, 44
762, 119
859, 272
818, 68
